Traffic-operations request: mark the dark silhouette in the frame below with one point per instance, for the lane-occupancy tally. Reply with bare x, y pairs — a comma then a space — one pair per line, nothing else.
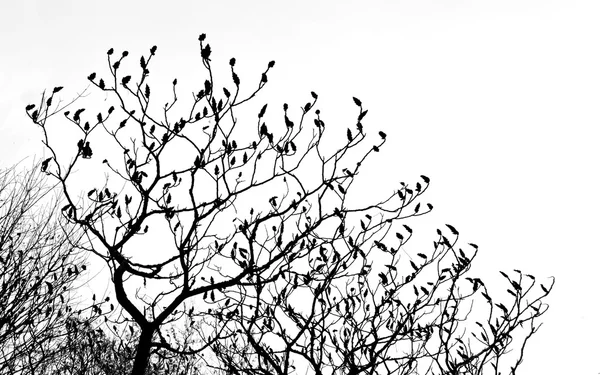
39, 259
252, 243
86, 151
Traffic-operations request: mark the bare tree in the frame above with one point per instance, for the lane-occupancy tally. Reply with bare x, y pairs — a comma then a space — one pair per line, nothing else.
257, 232
40, 261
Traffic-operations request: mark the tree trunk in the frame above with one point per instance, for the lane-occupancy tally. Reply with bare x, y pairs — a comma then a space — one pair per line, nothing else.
142, 356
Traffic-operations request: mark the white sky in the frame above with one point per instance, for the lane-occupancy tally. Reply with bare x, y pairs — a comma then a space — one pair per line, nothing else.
496, 101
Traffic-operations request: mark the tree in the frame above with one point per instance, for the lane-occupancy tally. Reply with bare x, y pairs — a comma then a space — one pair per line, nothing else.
40, 260
256, 233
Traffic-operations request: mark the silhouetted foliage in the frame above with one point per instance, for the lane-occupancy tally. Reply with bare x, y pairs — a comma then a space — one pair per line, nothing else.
40, 261
253, 230
92, 351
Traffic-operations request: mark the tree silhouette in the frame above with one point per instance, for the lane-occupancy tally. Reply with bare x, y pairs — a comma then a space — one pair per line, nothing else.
252, 234
40, 261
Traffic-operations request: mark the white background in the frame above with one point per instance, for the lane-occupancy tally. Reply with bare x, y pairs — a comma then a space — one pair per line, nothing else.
496, 101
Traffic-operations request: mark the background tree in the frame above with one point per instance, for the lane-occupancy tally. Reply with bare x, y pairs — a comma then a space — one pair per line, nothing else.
40, 261
267, 243
88, 349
